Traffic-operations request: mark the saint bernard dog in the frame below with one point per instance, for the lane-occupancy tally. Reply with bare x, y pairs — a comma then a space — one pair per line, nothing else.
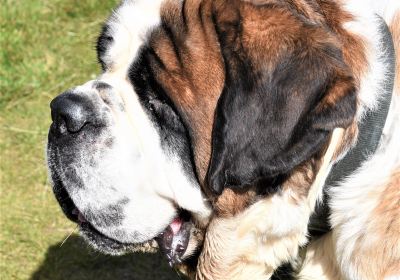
216, 126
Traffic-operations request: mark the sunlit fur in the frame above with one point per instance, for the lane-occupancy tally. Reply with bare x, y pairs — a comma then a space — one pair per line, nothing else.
134, 169
269, 232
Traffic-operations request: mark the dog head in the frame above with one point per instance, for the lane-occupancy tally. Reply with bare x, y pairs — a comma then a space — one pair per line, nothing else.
194, 95
119, 154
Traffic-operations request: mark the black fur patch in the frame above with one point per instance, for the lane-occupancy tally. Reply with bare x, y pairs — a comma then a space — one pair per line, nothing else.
107, 216
284, 272
173, 133
270, 120
103, 43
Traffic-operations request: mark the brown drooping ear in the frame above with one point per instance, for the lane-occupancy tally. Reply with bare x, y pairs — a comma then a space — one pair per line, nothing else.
286, 89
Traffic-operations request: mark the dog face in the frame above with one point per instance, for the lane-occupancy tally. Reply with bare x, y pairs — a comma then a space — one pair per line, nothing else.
194, 93
119, 156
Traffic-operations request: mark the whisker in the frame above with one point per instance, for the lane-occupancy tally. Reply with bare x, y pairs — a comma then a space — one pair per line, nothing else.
62, 243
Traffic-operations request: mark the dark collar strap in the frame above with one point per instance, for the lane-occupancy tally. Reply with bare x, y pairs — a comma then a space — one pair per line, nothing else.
370, 132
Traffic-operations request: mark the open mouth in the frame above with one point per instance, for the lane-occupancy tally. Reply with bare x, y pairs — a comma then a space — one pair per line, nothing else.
172, 241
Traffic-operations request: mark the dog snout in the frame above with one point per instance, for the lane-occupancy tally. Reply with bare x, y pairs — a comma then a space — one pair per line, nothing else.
70, 112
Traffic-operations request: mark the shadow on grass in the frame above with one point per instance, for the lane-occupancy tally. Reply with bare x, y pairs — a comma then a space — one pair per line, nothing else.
74, 260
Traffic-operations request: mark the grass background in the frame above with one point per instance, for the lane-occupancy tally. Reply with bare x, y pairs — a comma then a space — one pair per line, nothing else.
46, 47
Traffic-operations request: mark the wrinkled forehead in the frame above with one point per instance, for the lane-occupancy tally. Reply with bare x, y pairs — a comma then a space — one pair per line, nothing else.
124, 33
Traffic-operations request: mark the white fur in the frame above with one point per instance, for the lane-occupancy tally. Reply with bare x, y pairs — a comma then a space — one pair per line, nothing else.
395, 277
136, 169
365, 25
129, 25
353, 199
385, 8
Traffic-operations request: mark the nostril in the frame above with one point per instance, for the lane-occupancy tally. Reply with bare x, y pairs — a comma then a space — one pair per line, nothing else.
71, 123
61, 125
70, 112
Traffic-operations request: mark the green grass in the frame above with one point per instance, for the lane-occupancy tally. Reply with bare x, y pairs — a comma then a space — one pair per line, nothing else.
47, 46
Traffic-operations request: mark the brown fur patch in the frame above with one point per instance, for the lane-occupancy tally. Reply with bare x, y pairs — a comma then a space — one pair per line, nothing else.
270, 31
354, 55
193, 71
192, 68
230, 203
301, 179
279, 28
352, 45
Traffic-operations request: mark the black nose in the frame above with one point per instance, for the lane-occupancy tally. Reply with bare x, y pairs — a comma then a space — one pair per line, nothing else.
70, 112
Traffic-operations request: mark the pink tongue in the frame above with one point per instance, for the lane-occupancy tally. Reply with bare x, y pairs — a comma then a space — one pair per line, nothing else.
176, 225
